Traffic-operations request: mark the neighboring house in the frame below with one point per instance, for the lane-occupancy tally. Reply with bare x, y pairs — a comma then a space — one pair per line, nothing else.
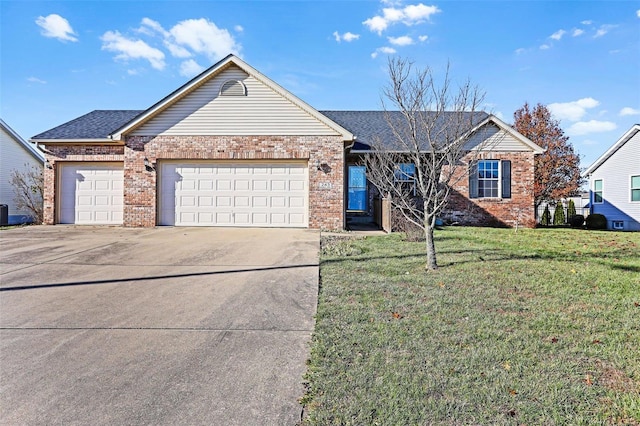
233, 148
16, 154
614, 183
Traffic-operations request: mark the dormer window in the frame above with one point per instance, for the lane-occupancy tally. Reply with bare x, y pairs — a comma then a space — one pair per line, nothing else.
233, 88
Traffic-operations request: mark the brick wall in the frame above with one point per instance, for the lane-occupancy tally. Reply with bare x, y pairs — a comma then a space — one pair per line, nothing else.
140, 186
495, 211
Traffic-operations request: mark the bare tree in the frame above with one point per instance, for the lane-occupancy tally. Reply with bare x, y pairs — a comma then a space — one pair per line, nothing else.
431, 124
28, 187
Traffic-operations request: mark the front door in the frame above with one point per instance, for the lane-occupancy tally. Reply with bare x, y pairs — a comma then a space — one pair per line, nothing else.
357, 199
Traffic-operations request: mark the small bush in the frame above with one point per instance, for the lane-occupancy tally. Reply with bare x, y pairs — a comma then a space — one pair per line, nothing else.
546, 216
571, 210
576, 221
399, 223
558, 215
596, 221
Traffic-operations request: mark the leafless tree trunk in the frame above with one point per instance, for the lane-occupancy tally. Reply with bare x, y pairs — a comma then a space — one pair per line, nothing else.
28, 185
432, 124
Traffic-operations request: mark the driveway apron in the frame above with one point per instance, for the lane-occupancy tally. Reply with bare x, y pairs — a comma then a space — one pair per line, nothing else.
109, 325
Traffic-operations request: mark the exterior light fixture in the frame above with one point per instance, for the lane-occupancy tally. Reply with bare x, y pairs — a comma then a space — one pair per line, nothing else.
148, 166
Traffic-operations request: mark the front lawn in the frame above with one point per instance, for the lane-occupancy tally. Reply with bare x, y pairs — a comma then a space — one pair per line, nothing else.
538, 327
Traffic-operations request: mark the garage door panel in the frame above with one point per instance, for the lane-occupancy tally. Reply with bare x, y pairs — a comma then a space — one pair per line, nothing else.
260, 185
91, 193
260, 201
296, 202
235, 194
297, 219
224, 185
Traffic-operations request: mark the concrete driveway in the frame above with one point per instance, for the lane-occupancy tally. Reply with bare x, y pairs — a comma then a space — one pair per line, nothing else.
179, 326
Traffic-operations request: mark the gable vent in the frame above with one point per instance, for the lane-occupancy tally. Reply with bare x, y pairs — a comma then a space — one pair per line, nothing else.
233, 88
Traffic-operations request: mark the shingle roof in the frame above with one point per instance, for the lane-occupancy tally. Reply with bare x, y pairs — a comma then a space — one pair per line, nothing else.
367, 126
371, 126
98, 124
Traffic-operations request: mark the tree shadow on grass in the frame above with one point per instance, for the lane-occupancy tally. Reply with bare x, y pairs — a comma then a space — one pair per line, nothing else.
481, 255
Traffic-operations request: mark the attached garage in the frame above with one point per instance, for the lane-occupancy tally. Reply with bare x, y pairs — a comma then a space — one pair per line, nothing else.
91, 194
251, 194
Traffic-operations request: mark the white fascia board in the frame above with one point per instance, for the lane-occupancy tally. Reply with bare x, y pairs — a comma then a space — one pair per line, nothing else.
99, 141
29, 147
628, 135
513, 132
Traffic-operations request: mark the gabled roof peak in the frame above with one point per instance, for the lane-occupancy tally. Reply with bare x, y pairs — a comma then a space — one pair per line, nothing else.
616, 146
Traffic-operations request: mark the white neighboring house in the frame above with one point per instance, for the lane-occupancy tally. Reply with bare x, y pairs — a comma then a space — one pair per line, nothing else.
614, 183
15, 154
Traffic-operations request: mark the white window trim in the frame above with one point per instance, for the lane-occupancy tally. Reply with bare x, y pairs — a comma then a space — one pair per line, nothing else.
617, 222
407, 179
601, 190
499, 196
631, 188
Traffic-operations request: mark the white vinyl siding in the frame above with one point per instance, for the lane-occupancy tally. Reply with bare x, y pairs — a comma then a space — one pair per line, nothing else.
261, 112
91, 194
13, 156
251, 194
492, 138
616, 173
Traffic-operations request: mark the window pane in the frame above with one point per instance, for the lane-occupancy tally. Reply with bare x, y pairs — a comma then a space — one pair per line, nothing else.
597, 185
635, 182
597, 197
635, 195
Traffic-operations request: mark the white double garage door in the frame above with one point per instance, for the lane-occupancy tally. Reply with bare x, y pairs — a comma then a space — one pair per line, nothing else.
193, 194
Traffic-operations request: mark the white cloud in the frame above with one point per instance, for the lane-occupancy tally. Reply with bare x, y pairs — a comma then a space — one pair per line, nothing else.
558, 34
600, 33
400, 41
409, 15
604, 29
629, 111
204, 37
55, 26
577, 32
132, 49
149, 26
190, 68
133, 72
587, 22
638, 13
348, 36
520, 50
238, 28
36, 80
423, 38
385, 49
572, 111
591, 126
545, 47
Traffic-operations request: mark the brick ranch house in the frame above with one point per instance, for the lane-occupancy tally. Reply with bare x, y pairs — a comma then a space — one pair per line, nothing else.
233, 148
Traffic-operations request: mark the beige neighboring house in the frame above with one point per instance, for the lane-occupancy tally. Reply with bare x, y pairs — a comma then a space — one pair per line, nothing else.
15, 154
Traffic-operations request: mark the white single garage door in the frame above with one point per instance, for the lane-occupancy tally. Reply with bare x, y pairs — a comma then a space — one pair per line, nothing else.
238, 194
91, 194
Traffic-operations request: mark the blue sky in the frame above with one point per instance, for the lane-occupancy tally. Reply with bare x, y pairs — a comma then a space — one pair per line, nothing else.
62, 59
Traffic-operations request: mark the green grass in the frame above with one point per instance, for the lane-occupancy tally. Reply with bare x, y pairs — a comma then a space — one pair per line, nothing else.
538, 327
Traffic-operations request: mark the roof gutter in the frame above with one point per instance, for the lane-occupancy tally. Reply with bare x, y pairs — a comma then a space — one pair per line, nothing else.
99, 141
